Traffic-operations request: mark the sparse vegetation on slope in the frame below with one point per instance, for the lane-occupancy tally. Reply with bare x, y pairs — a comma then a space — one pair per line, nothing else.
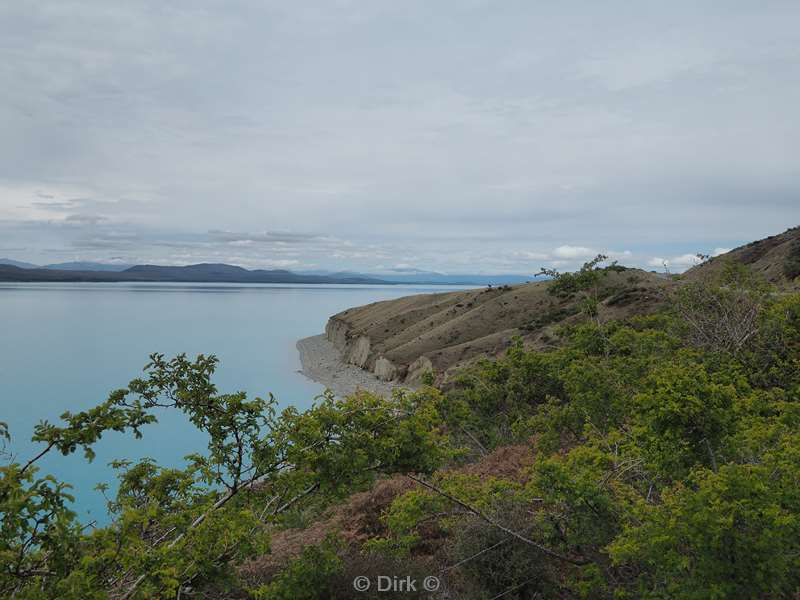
402, 339
776, 259
649, 463
648, 456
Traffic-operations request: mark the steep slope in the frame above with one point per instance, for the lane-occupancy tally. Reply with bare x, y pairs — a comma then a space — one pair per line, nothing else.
404, 338
776, 258
400, 340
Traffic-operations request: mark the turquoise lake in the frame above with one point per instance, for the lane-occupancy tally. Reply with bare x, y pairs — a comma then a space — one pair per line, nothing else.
65, 346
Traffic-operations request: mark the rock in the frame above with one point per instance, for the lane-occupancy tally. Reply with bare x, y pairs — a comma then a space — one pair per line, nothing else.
417, 369
358, 352
384, 369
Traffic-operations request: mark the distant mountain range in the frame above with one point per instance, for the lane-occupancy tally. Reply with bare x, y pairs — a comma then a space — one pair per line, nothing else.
202, 273
67, 266
13, 270
431, 277
87, 266
18, 263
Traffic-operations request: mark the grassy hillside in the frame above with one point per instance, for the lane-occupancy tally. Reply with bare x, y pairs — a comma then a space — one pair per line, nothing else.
776, 259
441, 333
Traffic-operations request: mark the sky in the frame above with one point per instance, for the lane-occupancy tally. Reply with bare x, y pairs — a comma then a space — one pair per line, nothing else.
465, 136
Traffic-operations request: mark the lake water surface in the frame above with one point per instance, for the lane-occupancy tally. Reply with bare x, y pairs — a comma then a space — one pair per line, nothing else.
65, 346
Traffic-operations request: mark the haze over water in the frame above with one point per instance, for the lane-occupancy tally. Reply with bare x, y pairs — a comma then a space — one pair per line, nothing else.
66, 346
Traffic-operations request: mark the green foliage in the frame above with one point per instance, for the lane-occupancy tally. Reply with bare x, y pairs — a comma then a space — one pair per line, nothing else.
587, 382
583, 498
308, 577
666, 465
774, 358
567, 284
665, 468
492, 400
327, 572
181, 529
682, 417
731, 534
413, 508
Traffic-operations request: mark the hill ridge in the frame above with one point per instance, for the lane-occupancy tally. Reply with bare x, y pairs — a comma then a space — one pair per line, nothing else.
201, 273
400, 340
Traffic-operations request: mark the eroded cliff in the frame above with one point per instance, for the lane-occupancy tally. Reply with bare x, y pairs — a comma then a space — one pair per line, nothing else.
401, 340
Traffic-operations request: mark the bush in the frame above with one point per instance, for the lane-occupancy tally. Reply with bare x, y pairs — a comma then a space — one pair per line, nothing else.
720, 535
495, 564
178, 531
331, 570
723, 315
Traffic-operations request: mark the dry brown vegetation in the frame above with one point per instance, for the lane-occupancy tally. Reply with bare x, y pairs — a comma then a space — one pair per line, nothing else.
774, 259
360, 517
444, 332
402, 339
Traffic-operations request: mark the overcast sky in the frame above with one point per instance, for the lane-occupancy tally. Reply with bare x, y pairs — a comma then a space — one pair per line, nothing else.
457, 136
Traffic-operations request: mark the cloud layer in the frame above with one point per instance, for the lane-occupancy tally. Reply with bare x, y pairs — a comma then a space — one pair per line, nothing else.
448, 136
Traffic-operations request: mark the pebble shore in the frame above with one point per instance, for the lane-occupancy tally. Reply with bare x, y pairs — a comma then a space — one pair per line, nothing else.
321, 362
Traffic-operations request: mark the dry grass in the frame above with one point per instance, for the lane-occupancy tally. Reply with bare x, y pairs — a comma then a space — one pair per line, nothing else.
455, 328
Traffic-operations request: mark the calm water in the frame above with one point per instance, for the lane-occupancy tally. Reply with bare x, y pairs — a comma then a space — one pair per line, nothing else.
66, 346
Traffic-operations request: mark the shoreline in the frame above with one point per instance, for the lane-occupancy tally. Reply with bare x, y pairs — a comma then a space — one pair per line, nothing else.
321, 362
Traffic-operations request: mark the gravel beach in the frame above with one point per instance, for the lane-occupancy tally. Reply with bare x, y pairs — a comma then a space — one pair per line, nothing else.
322, 363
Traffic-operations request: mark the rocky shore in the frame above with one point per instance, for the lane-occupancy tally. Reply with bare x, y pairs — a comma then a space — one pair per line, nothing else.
322, 362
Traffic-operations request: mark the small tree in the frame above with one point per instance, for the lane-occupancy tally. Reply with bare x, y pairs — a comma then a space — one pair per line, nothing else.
176, 530
722, 314
585, 282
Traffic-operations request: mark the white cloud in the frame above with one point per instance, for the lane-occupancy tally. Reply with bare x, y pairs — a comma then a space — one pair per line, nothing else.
527, 255
355, 121
574, 252
680, 262
686, 260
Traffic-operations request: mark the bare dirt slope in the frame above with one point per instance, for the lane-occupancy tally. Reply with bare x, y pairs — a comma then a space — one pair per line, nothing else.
776, 258
399, 340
